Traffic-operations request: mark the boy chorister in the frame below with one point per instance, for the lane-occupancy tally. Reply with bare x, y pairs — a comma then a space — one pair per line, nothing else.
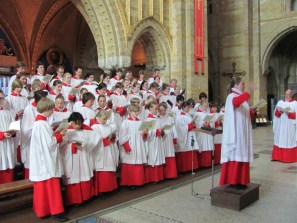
77, 160
133, 155
29, 115
16, 100
45, 164
60, 111
57, 88
86, 109
217, 139
119, 102
154, 171
106, 154
23, 77
186, 151
17, 103
169, 139
66, 89
102, 105
7, 151
78, 104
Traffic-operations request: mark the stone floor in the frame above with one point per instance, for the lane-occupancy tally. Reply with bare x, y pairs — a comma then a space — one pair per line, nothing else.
277, 203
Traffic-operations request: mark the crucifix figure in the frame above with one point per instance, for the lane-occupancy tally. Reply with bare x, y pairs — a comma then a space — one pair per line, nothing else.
234, 73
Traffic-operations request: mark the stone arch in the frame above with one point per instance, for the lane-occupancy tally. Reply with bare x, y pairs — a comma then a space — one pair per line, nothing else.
102, 17
157, 41
273, 39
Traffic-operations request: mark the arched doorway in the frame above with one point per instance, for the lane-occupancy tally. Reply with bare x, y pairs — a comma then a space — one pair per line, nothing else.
147, 52
282, 68
36, 27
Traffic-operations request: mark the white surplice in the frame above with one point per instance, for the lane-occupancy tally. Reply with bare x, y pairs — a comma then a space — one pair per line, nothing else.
7, 147
237, 141
106, 158
78, 166
45, 158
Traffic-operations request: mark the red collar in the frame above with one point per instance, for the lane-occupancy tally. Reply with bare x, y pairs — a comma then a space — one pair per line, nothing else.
63, 110
151, 116
53, 93
40, 118
164, 93
152, 76
87, 83
235, 92
116, 93
106, 108
199, 110
66, 85
34, 104
1, 108
93, 121
183, 113
176, 105
116, 78
15, 94
131, 119
75, 77
83, 127
291, 100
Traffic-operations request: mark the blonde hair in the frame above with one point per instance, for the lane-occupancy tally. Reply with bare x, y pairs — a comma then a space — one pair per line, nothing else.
133, 108
15, 84
134, 101
36, 85
45, 104
67, 73
102, 113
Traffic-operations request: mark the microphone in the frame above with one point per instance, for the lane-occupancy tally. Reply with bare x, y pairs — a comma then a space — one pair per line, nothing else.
192, 141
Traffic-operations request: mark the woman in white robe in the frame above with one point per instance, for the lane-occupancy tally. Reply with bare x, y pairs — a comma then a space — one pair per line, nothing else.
285, 130
237, 142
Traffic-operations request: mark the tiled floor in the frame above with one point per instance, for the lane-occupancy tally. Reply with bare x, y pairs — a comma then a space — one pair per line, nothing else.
277, 203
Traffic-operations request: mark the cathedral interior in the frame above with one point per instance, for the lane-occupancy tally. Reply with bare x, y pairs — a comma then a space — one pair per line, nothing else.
253, 39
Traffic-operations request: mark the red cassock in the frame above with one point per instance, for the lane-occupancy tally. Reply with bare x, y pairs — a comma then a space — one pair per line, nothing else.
237, 142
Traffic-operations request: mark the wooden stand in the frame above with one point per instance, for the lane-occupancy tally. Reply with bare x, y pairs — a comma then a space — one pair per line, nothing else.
235, 199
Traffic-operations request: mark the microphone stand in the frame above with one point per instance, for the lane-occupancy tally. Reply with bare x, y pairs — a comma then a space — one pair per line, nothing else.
192, 184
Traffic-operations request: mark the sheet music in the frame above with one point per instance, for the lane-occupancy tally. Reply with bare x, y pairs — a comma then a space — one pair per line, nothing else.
14, 126
260, 104
208, 118
167, 127
287, 109
147, 125
62, 126
47, 78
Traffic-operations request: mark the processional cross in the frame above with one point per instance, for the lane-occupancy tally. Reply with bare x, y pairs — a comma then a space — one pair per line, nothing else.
234, 73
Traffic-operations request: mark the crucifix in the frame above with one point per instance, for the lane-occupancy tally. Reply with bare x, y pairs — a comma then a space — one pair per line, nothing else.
234, 73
